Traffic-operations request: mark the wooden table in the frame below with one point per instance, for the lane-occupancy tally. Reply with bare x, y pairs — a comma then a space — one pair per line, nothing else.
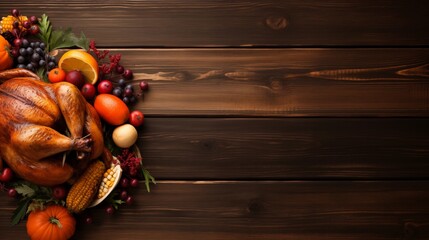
267, 119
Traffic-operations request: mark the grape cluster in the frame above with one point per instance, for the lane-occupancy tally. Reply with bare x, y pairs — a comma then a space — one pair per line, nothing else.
31, 55
125, 92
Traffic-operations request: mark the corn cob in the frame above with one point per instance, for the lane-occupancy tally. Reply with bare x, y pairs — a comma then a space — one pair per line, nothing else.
6, 23
109, 178
84, 190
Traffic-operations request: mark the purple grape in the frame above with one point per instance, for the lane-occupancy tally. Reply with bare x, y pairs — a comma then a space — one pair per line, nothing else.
117, 91
128, 92
144, 86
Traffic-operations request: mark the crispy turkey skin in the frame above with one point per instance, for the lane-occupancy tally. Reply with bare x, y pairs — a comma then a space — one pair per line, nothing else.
39, 122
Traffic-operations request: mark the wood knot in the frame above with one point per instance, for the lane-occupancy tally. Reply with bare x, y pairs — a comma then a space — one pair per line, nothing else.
276, 85
255, 206
276, 23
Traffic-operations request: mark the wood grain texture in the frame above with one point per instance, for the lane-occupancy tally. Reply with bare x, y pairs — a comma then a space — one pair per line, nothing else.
261, 210
239, 23
291, 148
283, 82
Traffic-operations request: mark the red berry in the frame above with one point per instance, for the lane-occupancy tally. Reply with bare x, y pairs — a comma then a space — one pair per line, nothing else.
105, 86
15, 12
16, 32
130, 200
26, 24
125, 182
15, 52
17, 42
88, 220
134, 182
33, 19
88, 91
128, 92
12, 193
119, 69
15, 24
144, 86
128, 74
6, 175
59, 192
124, 195
34, 29
110, 210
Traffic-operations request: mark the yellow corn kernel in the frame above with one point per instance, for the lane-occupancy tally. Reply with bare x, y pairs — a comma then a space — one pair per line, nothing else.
6, 23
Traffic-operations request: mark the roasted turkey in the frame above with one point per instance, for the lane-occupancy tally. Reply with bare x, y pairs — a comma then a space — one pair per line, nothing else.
41, 124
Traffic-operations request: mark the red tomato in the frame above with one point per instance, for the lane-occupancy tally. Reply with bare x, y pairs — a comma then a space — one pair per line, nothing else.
56, 75
136, 118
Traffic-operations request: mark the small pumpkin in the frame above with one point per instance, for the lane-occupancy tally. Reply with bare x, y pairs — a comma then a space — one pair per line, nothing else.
52, 223
6, 60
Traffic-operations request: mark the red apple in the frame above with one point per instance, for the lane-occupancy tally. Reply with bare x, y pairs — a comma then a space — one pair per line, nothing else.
88, 91
105, 86
136, 118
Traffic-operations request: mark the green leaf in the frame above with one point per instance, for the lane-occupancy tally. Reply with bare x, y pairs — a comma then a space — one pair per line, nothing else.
41, 72
20, 211
25, 190
148, 179
82, 42
55, 39
45, 27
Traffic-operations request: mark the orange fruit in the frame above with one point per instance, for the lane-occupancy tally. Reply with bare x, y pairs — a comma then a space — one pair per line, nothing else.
80, 60
56, 75
111, 109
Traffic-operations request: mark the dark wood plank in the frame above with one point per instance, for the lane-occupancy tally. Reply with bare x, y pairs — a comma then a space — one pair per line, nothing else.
261, 210
238, 23
283, 82
291, 148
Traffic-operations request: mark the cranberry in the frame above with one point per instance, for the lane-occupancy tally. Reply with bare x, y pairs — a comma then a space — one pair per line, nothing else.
26, 24
128, 92
124, 195
34, 29
59, 192
128, 74
125, 182
110, 210
88, 220
15, 52
134, 182
15, 12
12, 193
119, 69
130, 200
144, 86
15, 24
33, 19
